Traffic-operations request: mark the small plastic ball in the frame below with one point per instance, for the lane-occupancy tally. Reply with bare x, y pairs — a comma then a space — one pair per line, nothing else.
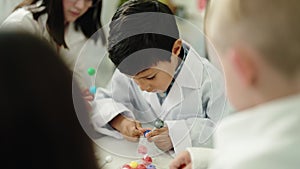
91, 71
93, 89
159, 123
126, 166
108, 159
146, 132
151, 166
133, 164
141, 166
147, 160
142, 149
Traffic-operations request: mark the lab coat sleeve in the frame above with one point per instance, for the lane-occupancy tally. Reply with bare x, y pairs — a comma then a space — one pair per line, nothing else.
179, 135
111, 102
192, 132
200, 157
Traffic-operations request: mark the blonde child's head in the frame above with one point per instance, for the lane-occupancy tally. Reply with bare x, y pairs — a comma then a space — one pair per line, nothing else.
258, 40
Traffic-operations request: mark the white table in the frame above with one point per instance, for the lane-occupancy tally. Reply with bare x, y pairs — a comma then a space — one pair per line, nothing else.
123, 151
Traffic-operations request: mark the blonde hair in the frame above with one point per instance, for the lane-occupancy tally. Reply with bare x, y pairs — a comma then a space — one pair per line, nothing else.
272, 27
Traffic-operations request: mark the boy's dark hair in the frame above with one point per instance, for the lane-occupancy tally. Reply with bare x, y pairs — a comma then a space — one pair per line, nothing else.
142, 33
89, 23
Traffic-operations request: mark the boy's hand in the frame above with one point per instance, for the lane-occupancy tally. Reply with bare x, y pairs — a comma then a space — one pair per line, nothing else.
161, 138
129, 128
182, 161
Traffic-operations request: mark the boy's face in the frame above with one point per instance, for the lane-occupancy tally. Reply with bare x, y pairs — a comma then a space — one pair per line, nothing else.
157, 78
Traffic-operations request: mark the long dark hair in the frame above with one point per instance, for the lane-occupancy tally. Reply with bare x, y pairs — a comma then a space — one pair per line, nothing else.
89, 23
38, 119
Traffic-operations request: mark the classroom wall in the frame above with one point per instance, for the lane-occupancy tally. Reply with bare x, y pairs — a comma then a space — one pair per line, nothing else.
6, 7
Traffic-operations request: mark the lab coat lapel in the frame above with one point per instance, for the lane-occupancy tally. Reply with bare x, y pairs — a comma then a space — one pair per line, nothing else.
174, 97
153, 100
186, 79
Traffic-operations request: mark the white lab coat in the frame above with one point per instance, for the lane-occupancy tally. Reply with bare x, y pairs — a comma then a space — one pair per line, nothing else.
263, 137
82, 53
195, 103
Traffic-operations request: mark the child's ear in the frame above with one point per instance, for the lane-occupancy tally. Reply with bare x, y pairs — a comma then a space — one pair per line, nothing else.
176, 47
244, 65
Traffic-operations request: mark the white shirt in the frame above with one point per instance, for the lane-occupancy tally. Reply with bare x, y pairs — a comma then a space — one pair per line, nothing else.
263, 137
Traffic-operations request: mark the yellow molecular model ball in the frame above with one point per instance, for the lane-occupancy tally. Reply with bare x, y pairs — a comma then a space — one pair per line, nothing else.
133, 164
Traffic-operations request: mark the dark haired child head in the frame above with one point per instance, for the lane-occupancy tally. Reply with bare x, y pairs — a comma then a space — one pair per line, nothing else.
144, 43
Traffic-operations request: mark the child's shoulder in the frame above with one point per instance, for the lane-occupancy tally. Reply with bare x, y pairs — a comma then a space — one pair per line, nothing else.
201, 67
196, 61
21, 20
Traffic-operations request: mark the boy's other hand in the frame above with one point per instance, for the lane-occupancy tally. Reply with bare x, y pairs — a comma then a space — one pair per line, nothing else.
129, 128
161, 138
181, 161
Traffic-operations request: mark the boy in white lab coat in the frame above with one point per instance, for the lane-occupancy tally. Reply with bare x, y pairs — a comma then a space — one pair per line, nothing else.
158, 76
258, 41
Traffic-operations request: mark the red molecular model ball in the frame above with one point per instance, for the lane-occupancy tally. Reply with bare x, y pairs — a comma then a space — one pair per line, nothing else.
126, 166
147, 160
141, 166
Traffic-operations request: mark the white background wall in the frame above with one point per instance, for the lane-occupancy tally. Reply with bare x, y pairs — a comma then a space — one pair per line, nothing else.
6, 7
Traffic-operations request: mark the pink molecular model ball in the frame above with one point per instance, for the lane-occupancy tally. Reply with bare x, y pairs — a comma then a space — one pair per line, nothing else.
142, 150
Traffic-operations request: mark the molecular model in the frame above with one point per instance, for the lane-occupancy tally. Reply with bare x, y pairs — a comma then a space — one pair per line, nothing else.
91, 72
142, 149
146, 163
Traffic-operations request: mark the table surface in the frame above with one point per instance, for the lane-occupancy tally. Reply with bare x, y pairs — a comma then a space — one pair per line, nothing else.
123, 151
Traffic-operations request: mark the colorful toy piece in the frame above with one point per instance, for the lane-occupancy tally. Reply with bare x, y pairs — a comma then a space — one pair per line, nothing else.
141, 166
91, 71
93, 89
133, 164
142, 149
146, 132
147, 160
126, 166
151, 166
158, 123
146, 163
108, 159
